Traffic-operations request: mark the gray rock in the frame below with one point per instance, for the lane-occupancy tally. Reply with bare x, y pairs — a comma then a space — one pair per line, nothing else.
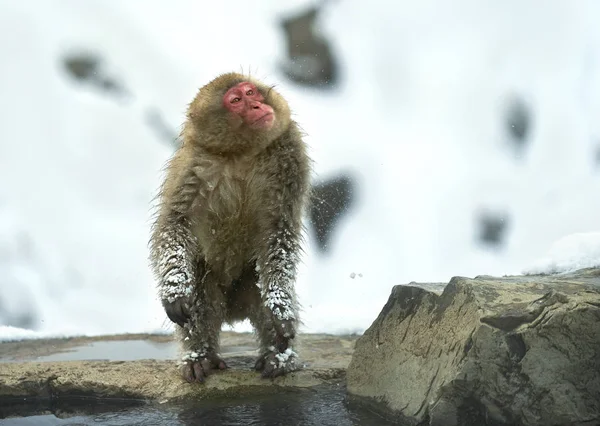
25, 375
521, 350
89, 69
310, 60
518, 121
330, 202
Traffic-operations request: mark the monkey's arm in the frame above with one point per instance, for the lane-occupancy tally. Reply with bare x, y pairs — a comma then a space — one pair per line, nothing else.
281, 250
173, 246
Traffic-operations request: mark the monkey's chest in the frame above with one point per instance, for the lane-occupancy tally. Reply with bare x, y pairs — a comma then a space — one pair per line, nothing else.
229, 227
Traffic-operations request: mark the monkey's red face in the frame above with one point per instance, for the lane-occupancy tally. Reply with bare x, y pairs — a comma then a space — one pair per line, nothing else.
245, 101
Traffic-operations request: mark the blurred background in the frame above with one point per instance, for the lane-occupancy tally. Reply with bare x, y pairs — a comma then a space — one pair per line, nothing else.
449, 138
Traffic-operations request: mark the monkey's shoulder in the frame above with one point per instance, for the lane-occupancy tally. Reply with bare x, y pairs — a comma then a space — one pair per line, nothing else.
292, 137
288, 147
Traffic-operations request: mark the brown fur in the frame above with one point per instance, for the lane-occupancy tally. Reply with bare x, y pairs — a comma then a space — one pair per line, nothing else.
230, 217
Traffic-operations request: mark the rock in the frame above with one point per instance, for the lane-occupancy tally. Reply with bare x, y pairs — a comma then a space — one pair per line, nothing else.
331, 200
518, 122
88, 68
143, 379
161, 128
492, 226
324, 359
522, 350
310, 60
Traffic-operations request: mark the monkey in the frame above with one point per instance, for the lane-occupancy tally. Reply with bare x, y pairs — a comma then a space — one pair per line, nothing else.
227, 237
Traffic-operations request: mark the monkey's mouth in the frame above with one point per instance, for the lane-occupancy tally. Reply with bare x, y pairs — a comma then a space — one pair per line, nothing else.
264, 117
264, 121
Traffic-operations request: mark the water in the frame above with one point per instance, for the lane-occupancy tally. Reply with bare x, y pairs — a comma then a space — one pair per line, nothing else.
124, 350
322, 406
121, 350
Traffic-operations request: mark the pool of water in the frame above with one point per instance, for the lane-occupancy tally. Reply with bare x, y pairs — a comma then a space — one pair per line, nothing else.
322, 406
122, 350
125, 350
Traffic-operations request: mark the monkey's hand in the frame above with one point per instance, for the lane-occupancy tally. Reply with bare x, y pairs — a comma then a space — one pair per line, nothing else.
196, 366
282, 316
274, 363
177, 296
177, 310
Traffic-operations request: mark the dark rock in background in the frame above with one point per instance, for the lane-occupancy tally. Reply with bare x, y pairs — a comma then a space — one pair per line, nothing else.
17, 304
87, 68
310, 60
492, 228
163, 131
518, 121
25, 319
330, 200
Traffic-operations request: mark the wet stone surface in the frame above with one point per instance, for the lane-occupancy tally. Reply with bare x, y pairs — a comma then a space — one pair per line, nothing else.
323, 351
133, 379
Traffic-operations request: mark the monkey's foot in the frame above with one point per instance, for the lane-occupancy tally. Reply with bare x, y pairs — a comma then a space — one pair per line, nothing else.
274, 364
195, 367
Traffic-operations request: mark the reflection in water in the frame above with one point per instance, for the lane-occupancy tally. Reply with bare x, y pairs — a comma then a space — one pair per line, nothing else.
112, 350
126, 350
301, 407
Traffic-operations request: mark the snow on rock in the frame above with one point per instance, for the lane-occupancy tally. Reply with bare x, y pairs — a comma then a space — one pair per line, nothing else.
569, 254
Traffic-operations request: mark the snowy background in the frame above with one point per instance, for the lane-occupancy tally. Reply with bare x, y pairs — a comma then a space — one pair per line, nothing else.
470, 132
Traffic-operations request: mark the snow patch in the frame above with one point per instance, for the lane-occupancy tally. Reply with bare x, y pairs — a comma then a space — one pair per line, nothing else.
568, 254
281, 358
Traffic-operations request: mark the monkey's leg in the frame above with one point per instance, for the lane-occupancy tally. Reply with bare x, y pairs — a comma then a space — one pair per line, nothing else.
245, 301
277, 357
200, 334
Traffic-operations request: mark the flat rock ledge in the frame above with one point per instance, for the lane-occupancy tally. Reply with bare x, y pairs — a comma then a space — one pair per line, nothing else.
324, 359
144, 379
517, 350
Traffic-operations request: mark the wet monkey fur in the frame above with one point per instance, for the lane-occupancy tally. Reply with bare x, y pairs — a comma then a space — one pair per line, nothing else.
227, 235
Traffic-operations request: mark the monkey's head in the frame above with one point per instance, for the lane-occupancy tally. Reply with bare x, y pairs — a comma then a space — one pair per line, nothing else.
236, 114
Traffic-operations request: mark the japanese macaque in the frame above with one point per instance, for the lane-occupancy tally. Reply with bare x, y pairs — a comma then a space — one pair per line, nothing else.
227, 236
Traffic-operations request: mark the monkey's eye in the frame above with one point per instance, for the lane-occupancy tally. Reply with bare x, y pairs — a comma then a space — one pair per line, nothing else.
250, 92
235, 100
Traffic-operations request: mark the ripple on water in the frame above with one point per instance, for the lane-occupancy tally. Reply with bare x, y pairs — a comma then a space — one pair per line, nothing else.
325, 406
